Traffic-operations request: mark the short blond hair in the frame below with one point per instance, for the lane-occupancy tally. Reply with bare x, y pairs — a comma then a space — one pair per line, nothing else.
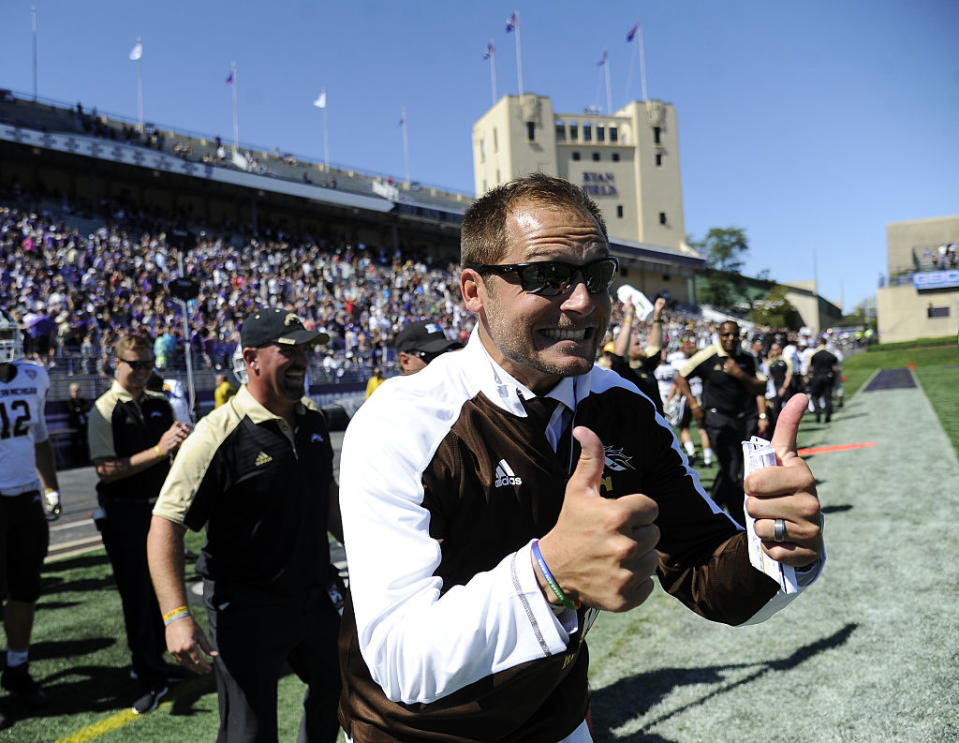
131, 342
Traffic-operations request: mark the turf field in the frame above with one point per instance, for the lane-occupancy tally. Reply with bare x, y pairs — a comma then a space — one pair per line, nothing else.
869, 653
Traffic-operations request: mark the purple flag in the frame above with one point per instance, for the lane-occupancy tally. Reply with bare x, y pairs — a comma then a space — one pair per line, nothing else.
603, 60
489, 50
512, 22
229, 80
402, 119
632, 32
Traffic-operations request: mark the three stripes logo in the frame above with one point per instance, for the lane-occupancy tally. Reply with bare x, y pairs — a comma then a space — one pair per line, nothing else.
505, 475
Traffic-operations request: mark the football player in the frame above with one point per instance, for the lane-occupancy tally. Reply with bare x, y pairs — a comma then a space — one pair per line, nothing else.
25, 453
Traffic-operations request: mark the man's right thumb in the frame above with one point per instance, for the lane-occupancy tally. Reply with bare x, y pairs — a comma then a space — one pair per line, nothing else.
592, 459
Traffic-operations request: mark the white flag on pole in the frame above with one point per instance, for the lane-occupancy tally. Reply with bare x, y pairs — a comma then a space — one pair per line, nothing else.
136, 52
320, 101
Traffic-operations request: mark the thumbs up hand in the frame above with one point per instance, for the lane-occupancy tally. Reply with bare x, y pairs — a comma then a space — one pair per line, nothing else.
602, 552
787, 492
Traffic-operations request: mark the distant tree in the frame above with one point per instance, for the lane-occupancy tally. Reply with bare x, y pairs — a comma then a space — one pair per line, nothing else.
725, 249
776, 311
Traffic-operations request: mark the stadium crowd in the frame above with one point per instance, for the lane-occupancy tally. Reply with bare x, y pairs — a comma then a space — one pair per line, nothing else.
72, 293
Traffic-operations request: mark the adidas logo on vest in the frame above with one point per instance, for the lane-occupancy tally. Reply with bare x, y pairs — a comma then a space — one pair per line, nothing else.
505, 475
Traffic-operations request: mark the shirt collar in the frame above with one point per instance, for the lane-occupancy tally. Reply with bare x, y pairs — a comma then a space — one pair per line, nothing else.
508, 392
246, 405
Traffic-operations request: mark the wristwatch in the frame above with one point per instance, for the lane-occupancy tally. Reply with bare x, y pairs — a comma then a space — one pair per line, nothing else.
763, 416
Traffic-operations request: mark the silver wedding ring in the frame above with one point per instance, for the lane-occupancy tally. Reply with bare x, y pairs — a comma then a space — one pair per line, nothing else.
779, 530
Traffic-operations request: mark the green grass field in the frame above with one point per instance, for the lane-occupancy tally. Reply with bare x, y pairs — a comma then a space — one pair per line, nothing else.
870, 654
936, 364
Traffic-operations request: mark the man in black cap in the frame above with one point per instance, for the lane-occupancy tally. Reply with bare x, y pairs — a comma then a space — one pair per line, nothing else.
259, 475
419, 343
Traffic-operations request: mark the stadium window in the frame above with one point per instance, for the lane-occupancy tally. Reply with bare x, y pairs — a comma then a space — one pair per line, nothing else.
619, 211
662, 217
576, 156
600, 133
560, 131
937, 311
659, 159
482, 149
497, 177
615, 157
573, 131
587, 132
495, 143
657, 132
613, 134
531, 131
596, 157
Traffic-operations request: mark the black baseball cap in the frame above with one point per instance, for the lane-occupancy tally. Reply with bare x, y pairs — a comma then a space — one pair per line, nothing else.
276, 325
424, 335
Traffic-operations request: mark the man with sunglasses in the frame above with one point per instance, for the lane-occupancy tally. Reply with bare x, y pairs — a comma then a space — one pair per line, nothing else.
496, 501
132, 434
257, 475
419, 343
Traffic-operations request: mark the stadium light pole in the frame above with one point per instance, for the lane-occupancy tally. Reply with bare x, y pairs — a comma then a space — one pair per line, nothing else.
320, 102
139, 61
188, 341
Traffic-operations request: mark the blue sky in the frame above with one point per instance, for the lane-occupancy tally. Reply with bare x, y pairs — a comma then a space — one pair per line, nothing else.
810, 125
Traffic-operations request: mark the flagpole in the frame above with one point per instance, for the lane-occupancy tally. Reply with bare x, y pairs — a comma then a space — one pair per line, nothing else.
519, 57
406, 150
642, 62
33, 13
629, 73
326, 141
236, 114
492, 69
140, 87
609, 94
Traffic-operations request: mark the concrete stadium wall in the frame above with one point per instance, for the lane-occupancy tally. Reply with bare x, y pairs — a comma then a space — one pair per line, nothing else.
904, 314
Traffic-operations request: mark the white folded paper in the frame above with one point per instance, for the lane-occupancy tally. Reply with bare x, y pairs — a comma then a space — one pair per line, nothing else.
758, 453
644, 308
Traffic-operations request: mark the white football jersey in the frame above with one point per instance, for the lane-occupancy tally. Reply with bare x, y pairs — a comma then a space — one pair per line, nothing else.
22, 425
664, 373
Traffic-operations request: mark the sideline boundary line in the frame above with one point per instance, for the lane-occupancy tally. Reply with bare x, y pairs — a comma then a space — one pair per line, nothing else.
835, 447
97, 729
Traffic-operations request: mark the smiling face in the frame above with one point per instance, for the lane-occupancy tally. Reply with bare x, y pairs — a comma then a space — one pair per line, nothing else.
729, 337
277, 374
540, 339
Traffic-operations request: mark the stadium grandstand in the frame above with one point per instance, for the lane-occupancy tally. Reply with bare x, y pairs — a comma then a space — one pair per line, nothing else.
99, 219
920, 298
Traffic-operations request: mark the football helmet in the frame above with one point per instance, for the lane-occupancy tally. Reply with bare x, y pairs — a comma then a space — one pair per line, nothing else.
239, 368
11, 340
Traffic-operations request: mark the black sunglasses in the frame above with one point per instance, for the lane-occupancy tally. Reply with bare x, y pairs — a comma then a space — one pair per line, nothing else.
138, 364
551, 278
